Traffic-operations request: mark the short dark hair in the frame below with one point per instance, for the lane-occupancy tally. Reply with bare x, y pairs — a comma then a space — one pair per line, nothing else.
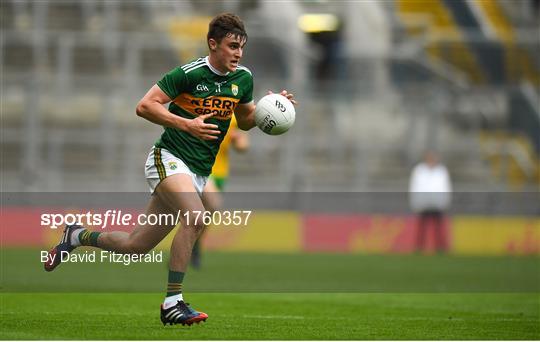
226, 24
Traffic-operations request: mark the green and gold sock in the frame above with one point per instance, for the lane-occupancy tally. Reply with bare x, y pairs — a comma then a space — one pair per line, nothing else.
174, 286
88, 238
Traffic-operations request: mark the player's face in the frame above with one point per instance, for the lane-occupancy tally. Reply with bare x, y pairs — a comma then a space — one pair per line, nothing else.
228, 53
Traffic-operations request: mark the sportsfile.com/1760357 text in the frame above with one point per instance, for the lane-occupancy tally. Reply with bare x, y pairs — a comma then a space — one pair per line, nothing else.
113, 217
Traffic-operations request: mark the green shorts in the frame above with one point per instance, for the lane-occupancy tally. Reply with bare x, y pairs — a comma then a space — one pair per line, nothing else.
219, 182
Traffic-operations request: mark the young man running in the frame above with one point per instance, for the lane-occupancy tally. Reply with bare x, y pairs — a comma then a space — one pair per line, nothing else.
203, 96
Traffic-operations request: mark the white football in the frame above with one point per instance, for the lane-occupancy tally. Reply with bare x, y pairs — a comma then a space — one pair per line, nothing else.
274, 114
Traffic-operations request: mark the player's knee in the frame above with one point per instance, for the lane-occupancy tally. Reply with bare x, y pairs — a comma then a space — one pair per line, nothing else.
197, 226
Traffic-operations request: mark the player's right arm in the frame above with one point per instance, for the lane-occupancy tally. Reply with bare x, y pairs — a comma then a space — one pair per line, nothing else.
151, 108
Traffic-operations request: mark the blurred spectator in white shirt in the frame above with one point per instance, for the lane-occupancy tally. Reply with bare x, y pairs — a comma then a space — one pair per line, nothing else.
430, 195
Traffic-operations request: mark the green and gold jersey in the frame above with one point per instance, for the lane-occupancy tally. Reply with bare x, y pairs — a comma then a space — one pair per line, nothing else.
196, 89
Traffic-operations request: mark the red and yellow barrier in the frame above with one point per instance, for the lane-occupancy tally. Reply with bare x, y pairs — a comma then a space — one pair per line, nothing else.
292, 232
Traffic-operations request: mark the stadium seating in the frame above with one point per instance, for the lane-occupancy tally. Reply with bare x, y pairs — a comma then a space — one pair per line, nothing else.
480, 41
80, 68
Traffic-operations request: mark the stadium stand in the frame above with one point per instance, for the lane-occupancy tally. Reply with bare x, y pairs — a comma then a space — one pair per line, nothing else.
421, 74
500, 55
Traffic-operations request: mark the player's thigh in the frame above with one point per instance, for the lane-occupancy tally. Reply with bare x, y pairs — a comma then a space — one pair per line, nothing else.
211, 196
154, 225
179, 194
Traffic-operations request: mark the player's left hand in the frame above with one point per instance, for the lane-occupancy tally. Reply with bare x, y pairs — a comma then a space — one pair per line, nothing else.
288, 95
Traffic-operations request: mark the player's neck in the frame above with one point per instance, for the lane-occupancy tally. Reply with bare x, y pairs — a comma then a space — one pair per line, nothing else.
213, 65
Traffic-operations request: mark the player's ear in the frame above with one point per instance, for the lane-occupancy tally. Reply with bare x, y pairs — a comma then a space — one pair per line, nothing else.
212, 44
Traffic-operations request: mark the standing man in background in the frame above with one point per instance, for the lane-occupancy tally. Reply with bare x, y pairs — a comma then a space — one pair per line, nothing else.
430, 196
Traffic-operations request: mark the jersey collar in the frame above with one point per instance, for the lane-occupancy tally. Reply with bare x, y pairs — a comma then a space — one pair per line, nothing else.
214, 70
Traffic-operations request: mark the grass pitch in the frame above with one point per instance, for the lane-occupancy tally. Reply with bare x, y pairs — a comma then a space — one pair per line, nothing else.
277, 297
327, 316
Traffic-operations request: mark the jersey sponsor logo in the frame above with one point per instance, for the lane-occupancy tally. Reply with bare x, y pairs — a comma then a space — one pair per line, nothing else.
222, 107
201, 87
234, 89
